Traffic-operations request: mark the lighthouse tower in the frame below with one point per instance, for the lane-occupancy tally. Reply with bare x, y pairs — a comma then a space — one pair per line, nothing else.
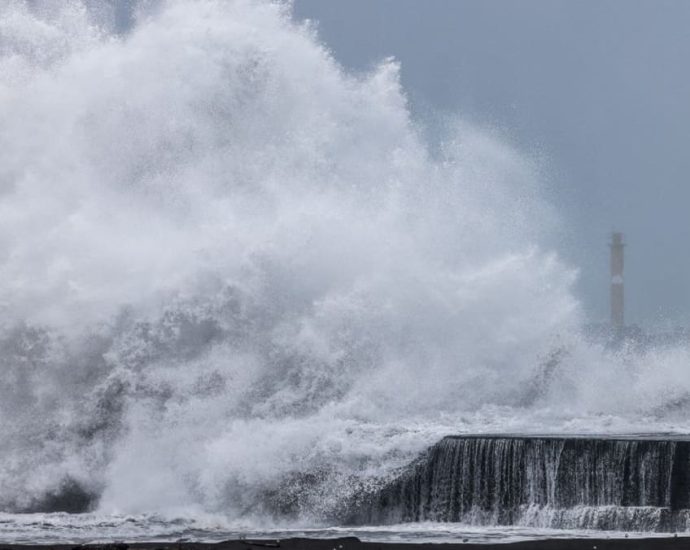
617, 291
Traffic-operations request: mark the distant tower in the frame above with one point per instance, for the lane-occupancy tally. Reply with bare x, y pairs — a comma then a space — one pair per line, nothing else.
617, 293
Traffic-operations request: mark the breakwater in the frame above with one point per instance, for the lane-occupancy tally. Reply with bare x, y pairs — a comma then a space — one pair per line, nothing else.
630, 483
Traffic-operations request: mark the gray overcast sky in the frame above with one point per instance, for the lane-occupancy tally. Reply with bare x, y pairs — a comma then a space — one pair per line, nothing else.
601, 87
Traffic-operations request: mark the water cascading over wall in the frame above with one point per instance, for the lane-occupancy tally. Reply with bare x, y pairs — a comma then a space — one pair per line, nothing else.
560, 482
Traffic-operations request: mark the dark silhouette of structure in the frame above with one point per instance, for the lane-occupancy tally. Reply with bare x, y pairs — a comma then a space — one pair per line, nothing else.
616, 333
617, 287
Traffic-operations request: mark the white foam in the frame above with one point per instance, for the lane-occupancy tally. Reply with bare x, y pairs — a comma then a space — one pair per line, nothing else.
246, 264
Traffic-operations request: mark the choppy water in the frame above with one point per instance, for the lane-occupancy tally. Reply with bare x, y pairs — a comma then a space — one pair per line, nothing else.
95, 528
237, 280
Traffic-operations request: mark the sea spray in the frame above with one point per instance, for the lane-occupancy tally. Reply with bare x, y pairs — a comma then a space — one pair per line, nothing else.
235, 279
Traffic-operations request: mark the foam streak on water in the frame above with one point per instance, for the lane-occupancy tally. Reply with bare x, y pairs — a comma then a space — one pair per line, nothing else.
95, 528
236, 280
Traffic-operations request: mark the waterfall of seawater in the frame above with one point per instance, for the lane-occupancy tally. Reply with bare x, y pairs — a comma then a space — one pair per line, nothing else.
554, 482
236, 280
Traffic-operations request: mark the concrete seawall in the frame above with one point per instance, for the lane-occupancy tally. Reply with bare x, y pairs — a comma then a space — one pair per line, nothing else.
635, 483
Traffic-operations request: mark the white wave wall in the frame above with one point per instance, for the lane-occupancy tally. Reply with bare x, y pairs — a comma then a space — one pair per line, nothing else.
226, 263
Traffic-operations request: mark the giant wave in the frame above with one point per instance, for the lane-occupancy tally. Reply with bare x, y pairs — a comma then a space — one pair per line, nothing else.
236, 279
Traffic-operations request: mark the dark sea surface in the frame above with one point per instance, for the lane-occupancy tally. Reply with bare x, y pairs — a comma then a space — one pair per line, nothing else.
95, 528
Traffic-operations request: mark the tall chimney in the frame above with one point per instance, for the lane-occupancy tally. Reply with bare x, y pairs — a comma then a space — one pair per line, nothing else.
617, 293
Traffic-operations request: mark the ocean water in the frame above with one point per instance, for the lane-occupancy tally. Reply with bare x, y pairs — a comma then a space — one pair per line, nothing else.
237, 282
95, 529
